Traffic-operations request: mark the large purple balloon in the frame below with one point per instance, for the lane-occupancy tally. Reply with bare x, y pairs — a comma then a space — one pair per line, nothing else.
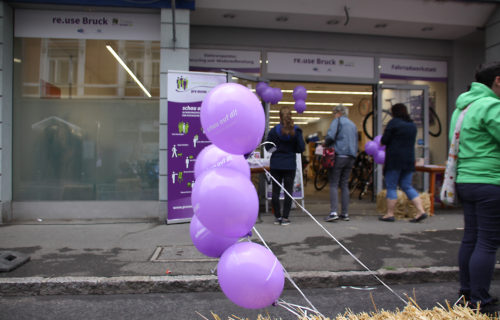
225, 202
300, 106
260, 87
377, 140
299, 93
208, 243
371, 147
379, 157
250, 275
233, 118
267, 94
213, 157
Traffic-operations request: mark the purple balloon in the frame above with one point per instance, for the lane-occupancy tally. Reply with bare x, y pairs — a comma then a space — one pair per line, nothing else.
371, 147
213, 157
299, 93
232, 117
250, 275
377, 139
225, 202
267, 94
260, 87
277, 95
206, 241
379, 157
300, 106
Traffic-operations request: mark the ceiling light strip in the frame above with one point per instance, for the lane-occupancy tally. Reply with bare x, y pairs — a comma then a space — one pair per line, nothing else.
347, 104
117, 57
368, 93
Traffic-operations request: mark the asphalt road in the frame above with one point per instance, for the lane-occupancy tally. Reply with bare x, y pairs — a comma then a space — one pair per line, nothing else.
180, 306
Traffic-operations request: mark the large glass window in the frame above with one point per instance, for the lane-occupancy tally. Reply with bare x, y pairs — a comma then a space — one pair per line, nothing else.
86, 119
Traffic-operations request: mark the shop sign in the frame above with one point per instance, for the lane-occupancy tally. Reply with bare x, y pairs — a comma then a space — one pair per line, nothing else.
216, 60
86, 25
185, 93
320, 65
407, 69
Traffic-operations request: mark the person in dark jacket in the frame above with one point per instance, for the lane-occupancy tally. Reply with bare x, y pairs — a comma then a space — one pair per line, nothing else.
288, 141
399, 138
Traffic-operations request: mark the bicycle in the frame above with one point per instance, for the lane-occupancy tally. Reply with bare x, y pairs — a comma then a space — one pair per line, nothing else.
413, 101
362, 175
320, 172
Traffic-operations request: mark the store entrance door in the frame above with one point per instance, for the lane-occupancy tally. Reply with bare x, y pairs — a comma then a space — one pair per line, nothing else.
416, 99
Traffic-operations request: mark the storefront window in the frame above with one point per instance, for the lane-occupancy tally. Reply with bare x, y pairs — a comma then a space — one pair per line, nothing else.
86, 127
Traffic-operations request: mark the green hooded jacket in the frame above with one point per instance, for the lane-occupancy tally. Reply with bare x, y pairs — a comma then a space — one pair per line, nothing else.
479, 145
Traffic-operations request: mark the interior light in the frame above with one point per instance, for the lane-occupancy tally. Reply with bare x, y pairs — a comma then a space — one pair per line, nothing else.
347, 104
117, 57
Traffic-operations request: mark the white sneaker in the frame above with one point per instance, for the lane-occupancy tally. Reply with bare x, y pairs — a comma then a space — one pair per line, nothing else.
332, 217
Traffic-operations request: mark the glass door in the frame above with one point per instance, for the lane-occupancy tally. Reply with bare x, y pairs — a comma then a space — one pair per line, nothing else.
416, 99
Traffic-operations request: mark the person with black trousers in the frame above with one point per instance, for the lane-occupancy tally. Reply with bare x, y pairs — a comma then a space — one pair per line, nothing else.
288, 140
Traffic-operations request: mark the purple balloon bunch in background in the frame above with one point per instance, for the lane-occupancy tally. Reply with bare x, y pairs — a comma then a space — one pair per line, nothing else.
300, 95
225, 202
376, 150
268, 94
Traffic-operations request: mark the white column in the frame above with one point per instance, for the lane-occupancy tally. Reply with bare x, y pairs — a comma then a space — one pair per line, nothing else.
174, 55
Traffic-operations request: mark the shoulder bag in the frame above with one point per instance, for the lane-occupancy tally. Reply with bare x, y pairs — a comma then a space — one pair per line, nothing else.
448, 193
328, 158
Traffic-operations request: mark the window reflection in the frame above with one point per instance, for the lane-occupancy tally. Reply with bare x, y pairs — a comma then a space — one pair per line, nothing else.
83, 128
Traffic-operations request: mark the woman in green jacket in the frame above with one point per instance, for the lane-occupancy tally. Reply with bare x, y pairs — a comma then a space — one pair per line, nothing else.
478, 184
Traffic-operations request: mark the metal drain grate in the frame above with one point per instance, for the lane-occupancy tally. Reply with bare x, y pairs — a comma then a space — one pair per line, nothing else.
179, 253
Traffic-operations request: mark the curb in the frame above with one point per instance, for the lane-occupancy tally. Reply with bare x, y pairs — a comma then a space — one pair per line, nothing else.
40, 286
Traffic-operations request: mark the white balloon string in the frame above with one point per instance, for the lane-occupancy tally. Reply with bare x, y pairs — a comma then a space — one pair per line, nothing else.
301, 309
331, 235
287, 275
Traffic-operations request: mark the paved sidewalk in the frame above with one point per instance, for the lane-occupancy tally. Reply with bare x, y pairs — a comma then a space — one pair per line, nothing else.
137, 256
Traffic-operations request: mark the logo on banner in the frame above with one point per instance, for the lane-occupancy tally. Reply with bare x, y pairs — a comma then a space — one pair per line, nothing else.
182, 83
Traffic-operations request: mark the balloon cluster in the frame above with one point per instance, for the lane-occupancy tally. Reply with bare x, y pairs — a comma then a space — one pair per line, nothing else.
300, 95
225, 202
268, 94
376, 150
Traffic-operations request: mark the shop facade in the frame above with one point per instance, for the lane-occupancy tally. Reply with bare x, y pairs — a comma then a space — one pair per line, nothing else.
83, 139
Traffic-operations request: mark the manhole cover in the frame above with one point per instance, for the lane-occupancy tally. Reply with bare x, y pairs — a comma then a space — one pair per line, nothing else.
179, 253
9, 260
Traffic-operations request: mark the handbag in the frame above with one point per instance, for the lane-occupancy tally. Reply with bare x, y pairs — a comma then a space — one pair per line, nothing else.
448, 193
328, 158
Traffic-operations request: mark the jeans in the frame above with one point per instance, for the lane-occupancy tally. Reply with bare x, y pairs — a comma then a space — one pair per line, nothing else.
339, 174
477, 254
404, 179
285, 177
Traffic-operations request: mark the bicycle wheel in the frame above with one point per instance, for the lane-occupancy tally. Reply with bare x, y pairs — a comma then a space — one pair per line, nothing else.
320, 178
433, 116
386, 117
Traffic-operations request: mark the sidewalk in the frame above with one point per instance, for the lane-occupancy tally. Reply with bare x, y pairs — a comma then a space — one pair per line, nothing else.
140, 257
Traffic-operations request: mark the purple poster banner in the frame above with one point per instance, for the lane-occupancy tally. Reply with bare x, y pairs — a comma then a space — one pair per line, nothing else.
186, 139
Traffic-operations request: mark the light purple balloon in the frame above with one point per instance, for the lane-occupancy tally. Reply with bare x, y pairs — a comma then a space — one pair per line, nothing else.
371, 147
377, 139
225, 202
208, 243
250, 275
300, 106
260, 87
213, 157
379, 157
267, 94
232, 117
299, 93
